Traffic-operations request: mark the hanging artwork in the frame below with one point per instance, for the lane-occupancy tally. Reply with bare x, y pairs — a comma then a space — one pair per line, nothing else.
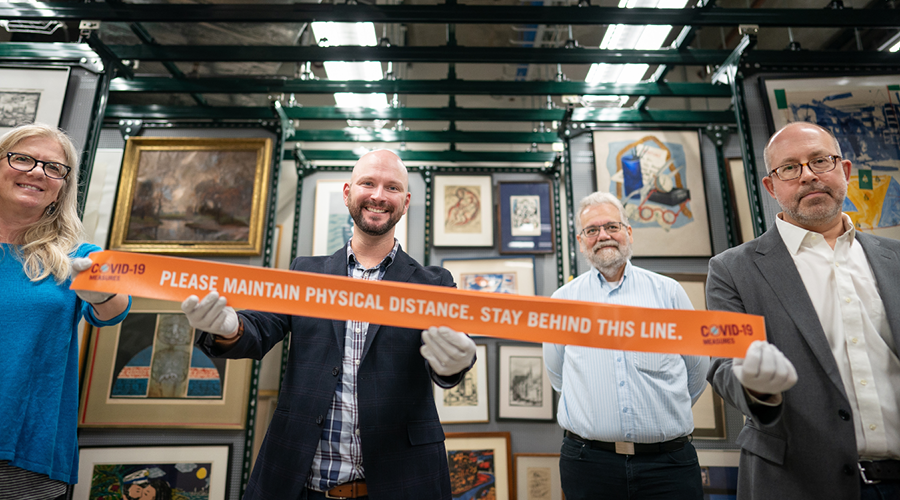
537, 476
479, 465
493, 274
658, 177
463, 211
524, 387
466, 402
525, 217
29, 95
863, 113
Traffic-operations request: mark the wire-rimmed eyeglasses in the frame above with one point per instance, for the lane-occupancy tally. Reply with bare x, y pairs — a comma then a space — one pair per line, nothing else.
25, 163
818, 165
610, 228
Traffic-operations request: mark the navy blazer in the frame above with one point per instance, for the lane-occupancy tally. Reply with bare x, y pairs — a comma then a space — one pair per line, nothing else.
400, 431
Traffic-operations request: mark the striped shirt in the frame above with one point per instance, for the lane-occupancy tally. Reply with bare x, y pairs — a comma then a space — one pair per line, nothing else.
21, 484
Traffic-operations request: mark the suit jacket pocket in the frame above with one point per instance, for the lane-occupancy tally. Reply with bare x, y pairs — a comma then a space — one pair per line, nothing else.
767, 446
425, 432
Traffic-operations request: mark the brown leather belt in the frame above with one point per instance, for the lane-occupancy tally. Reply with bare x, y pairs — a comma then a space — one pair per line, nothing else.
354, 489
626, 448
874, 472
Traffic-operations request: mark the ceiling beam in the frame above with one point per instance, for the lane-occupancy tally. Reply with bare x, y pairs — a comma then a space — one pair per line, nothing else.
433, 156
450, 136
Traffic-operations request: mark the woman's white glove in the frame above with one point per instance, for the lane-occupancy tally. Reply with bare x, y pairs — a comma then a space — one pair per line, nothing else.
447, 351
212, 314
765, 369
81, 264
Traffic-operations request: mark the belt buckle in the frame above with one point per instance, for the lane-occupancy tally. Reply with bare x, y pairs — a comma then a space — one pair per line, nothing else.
862, 473
328, 495
624, 448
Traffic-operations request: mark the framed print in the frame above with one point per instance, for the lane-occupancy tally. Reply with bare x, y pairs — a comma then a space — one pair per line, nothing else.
658, 177
861, 111
525, 217
468, 401
192, 196
463, 208
147, 372
332, 224
479, 465
524, 386
537, 476
494, 274
195, 472
29, 95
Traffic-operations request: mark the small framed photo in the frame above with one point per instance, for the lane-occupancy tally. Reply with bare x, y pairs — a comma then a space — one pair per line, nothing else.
524, 388
463, 211
494, 274
199, 472
537, 476
467, 402
525, 215
479, 465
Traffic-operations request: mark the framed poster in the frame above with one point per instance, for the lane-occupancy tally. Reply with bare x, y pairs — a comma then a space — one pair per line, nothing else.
537, 476
29, 95
524, 387
146, 372
493, 274
468, 401
463, 208
862, 113
195, 472
479, 465
658, 177
192, 196
525, 217
332, 224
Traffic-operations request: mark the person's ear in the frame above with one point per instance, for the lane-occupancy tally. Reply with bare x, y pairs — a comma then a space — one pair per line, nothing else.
769, 184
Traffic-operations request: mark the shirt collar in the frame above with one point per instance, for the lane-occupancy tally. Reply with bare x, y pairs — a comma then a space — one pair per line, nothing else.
793, 236
385, 262
605, 282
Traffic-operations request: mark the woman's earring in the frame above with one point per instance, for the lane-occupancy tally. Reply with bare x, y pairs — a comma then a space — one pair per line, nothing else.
51, 209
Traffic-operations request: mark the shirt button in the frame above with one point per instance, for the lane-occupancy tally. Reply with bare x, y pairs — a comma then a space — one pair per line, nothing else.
854, 340
357, 329
837, 265
624, 410
618, 359
848, 300
863, 382
621, 383
357, 362
873, 427
357, 432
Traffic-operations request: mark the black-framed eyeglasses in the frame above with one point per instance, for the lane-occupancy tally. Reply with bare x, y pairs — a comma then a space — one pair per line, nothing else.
25, 163
610, 228
819, 165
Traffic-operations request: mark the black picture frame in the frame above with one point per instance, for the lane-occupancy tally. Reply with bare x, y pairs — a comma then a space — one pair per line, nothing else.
517, 234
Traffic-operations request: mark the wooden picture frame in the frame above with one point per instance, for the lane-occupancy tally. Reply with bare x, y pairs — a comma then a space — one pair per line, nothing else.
463, 211
537, 476
480, 465
467, 402
192, 196
658, 177
29, 95
523, 386
146, 372
108, 472
332, 224
494, 274
525, 217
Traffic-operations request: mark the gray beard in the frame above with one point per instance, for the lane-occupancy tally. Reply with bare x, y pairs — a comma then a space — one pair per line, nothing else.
609, 266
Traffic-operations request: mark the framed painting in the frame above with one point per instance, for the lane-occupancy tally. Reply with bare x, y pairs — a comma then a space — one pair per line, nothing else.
29, 95
467, 402
463, 211
862, 113
524, 387
525, 217
192, 196
479, 465
537, 476
195, 472
658, 177
147, 372
332, 224
494, 274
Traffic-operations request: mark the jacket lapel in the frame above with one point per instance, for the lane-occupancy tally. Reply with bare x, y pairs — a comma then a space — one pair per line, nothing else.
337, 266
886, 267
400, 270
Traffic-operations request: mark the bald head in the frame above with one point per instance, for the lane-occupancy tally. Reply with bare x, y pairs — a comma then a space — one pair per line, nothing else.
790, 130
384, 161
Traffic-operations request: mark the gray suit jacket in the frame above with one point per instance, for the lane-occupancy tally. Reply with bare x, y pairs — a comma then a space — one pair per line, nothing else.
806, 447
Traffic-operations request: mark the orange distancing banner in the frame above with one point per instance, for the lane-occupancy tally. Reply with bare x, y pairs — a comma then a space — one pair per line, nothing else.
515, 317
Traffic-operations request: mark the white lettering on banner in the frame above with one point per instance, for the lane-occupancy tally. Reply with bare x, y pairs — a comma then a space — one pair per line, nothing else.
344, 298
654, 330
612, 328
410, 305
559, 322
257, 288
188, 280
500, 315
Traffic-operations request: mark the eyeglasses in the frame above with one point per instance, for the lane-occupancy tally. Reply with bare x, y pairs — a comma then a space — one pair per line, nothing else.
820, 165
25, 163
610, 228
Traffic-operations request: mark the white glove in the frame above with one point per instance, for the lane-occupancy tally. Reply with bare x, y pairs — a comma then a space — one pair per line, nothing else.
447, 351
81, 264
764, 369
211, 315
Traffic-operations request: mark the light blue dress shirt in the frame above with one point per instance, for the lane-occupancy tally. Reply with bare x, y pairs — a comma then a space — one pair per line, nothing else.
611, 395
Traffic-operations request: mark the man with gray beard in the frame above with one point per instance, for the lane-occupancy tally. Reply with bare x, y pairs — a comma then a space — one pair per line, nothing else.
626, 415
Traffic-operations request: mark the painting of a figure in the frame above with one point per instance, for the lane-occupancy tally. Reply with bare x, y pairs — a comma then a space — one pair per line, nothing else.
526, 215
462, 211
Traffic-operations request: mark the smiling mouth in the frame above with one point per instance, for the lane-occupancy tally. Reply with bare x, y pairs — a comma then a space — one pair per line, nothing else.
376, 210
29, 187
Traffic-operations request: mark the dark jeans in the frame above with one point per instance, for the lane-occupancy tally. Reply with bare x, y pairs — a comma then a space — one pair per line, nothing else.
880, 491
589, 474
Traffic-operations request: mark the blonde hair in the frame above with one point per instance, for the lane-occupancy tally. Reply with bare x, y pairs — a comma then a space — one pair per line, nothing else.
46, 244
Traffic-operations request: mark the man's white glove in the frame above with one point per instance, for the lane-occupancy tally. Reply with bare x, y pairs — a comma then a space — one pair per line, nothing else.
81, 264
211, 315
447, 351
765, 369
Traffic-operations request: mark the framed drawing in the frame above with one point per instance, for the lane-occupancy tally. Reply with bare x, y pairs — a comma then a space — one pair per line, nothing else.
192, 196
861, 111
537, 476
658, 177
524, 388
479, 465
332, 224
146, 372
29, 95
463, 211
525, 217
196, 472
493, 274
467, 402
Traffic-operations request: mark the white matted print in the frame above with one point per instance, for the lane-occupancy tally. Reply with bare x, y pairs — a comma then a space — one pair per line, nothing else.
495, 274
463, 211
31, 95
537, 476
524, 387
467, 402
332, 224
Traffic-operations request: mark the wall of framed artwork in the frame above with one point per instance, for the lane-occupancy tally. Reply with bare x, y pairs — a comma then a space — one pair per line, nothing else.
463, 211
466, 403
29, 95
524, 389
479, 465
525, 217
537, 476
497, 274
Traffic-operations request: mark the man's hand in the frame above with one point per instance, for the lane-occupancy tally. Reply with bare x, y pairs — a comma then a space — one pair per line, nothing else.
81, 264
764, 369
447, 351
211, 315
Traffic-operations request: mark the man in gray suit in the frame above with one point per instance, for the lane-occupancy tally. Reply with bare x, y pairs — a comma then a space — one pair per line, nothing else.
821, 396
